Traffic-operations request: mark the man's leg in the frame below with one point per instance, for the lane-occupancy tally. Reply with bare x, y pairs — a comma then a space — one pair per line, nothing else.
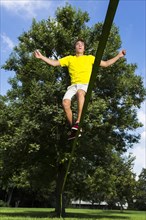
71, 91
80, 98
67, 108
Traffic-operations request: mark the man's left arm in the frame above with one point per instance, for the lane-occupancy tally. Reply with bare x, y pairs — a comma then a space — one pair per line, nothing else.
109, 62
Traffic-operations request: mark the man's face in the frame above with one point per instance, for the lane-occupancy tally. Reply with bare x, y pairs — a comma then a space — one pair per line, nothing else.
80, 47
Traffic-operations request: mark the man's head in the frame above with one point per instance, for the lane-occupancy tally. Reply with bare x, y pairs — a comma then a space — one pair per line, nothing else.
80, 46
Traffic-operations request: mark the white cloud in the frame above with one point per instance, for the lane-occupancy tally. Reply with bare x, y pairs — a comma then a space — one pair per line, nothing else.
7, 43
25, 8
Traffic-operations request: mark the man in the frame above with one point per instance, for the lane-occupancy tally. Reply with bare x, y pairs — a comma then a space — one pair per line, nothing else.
80, 68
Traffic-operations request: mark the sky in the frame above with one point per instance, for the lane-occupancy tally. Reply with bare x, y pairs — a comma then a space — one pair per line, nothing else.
16, 17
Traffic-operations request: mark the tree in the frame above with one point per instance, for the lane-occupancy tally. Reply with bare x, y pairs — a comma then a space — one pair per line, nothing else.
125, 181
140, 199
34, 136
111, 181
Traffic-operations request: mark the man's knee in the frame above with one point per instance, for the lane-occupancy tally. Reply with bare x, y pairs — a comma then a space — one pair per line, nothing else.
80, 93
66, 103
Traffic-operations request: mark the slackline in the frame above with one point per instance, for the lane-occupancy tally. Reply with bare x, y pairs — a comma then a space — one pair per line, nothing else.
112, 7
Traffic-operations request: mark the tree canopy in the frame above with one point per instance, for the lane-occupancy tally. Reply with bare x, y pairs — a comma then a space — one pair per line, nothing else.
33, 127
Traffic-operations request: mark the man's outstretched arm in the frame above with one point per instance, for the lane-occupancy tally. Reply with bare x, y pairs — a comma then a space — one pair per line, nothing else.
107, 63
45, 59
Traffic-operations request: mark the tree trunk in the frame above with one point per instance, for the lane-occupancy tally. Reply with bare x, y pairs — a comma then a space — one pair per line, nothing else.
121, 207
9, 196
60, 202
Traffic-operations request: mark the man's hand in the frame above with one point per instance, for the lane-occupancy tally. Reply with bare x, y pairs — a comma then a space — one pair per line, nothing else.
38, 54
122, 53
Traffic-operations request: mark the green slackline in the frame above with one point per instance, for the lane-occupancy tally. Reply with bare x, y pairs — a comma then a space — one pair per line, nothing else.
112, 7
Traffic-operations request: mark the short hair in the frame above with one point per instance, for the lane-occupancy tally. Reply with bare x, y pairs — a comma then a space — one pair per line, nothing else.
80, 39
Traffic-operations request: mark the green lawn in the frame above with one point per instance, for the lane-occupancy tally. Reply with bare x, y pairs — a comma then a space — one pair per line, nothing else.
72, 214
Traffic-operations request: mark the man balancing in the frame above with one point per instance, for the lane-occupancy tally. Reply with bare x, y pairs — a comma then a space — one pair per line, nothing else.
80, 68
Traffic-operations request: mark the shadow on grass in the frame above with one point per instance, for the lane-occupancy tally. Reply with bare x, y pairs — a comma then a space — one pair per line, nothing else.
30, 214
52, 214
102, 215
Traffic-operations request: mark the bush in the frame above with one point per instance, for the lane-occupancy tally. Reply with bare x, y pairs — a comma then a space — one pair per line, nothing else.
3, 204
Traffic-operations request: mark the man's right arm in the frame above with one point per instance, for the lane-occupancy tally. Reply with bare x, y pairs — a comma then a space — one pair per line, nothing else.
45, 59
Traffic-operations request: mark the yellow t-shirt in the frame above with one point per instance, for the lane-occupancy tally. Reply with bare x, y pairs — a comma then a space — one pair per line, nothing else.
79, 67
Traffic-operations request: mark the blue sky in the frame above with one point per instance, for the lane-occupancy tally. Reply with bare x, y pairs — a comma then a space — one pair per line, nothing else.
16, 17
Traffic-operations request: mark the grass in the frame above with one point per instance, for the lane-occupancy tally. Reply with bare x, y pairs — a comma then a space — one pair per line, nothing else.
72, 214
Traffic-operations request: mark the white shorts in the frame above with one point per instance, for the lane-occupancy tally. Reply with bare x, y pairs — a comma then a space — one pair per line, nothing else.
72, 90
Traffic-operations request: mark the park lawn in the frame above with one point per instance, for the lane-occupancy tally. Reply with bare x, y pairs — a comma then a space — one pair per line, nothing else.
72, 214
